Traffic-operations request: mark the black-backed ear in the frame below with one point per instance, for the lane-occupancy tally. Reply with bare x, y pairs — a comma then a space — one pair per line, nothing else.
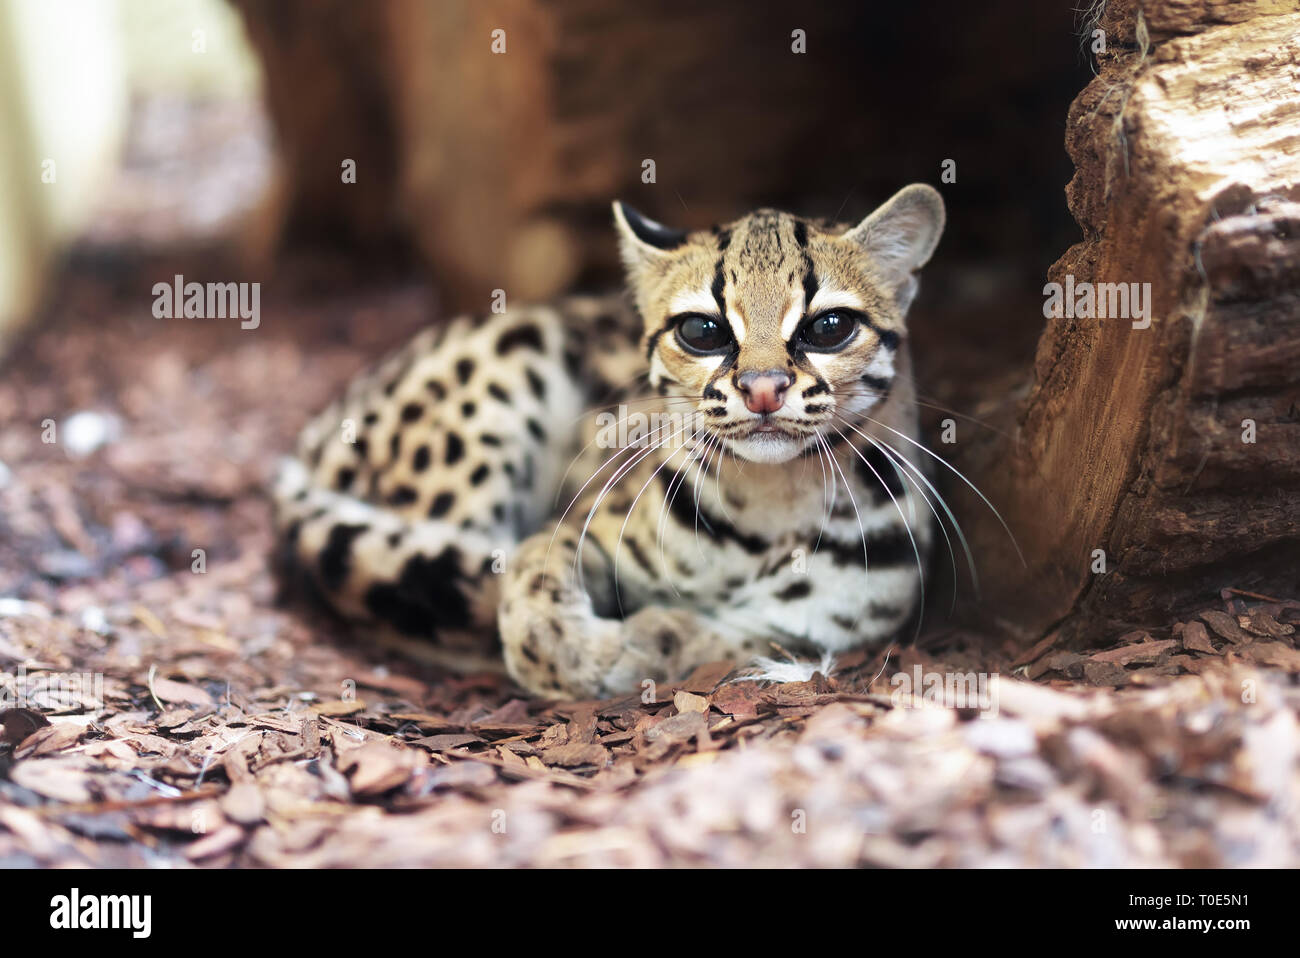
901, 236
641, 239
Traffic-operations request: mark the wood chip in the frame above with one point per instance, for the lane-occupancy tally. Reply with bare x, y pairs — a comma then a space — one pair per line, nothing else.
1225, 625
1142, 652
179, 693
339, 707
575, 754
689, 702
1195, 638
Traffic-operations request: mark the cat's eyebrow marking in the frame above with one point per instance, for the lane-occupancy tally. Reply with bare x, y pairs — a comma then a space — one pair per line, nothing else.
793, 316
831, 296
731, 316
810, 284
692, 301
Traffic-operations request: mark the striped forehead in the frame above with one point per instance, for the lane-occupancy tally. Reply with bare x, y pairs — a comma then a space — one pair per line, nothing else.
761, 264
761, 272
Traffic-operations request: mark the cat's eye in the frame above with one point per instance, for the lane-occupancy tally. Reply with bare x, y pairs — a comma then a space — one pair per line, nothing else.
829, 330
702, 334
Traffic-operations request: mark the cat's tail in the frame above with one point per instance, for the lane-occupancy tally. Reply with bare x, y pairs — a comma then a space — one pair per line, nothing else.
425, 586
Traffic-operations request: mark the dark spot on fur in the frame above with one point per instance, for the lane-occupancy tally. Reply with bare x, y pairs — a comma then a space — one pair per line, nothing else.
795, 590
880, 475
634, 549
464, 369
344, 478
467, 409
412, 411
436, 389
425, 597
877, 383
527, 336
402, 496
479, 474
535, 428
455, 449
420, 458
336, 557
442, 504
498, 393
536, 384
885, 548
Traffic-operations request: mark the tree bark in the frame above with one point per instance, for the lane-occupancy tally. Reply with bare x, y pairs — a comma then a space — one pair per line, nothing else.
1173, 449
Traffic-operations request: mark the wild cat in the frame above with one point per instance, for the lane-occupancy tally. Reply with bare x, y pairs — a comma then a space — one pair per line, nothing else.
615, 489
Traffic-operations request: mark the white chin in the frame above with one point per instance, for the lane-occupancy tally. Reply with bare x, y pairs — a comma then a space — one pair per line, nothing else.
769, 447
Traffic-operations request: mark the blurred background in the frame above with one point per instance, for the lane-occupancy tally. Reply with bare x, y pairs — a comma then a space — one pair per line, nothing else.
379, 166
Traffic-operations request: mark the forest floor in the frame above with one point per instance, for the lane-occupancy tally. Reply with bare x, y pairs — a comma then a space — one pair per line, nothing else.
163, 710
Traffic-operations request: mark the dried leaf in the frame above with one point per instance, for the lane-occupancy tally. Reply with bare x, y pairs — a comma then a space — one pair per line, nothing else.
179, 692
1196, 639
19, 723
1226, 626
689, 702
574, 754
339, 707
1140, 653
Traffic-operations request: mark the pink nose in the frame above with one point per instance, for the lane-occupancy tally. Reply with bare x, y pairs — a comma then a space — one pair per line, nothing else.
764, 391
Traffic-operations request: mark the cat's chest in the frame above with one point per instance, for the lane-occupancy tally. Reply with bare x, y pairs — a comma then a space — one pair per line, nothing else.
693, 538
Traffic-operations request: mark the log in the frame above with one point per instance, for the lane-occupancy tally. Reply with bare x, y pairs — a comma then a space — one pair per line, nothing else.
496, 135
1174, 447
499, 162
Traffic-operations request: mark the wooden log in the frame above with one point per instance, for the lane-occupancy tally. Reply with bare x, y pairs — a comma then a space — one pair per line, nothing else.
331, 100
1174, 447
495, 133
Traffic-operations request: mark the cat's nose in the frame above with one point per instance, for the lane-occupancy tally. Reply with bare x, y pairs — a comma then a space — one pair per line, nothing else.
764, 391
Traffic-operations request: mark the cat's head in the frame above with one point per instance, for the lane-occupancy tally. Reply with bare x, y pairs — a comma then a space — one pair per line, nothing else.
776, 326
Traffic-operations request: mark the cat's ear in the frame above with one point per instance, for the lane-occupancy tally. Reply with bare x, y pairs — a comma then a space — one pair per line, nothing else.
901, 236
641, 240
